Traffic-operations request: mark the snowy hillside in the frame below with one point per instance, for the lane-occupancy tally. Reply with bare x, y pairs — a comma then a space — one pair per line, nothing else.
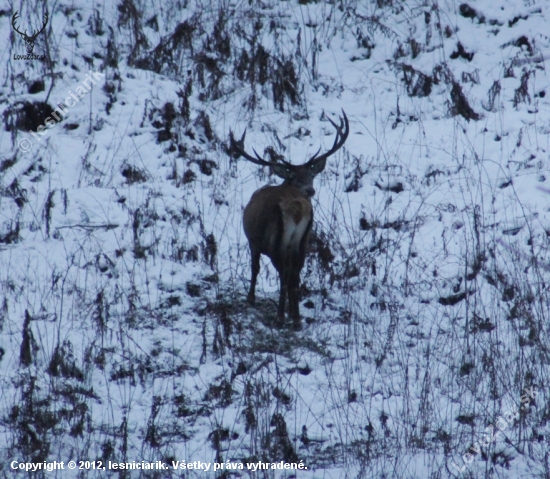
125, 334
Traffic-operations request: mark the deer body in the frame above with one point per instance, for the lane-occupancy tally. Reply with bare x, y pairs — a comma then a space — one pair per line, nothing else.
278, 219
277, 222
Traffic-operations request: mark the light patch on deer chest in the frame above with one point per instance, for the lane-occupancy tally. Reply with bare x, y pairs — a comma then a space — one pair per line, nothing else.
296, 217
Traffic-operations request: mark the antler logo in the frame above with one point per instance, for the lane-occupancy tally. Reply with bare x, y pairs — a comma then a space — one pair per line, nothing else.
29, 40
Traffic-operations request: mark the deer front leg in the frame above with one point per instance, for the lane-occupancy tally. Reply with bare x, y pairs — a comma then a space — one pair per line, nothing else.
294, 301
282, 300
255, 263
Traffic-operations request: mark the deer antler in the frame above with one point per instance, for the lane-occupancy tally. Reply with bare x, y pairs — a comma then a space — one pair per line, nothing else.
342, 132
238, 147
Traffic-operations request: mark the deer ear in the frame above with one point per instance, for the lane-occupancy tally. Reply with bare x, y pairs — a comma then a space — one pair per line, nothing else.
318, 166
282, 171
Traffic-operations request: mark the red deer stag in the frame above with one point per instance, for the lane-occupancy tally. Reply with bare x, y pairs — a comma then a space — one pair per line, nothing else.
277, 220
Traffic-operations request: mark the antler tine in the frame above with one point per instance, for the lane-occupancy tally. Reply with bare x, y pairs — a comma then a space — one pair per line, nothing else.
342, 132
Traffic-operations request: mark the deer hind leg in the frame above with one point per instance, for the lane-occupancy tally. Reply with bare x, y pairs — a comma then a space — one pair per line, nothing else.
255, 262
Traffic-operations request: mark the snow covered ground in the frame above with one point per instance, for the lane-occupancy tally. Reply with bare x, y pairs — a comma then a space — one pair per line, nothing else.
124, 331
